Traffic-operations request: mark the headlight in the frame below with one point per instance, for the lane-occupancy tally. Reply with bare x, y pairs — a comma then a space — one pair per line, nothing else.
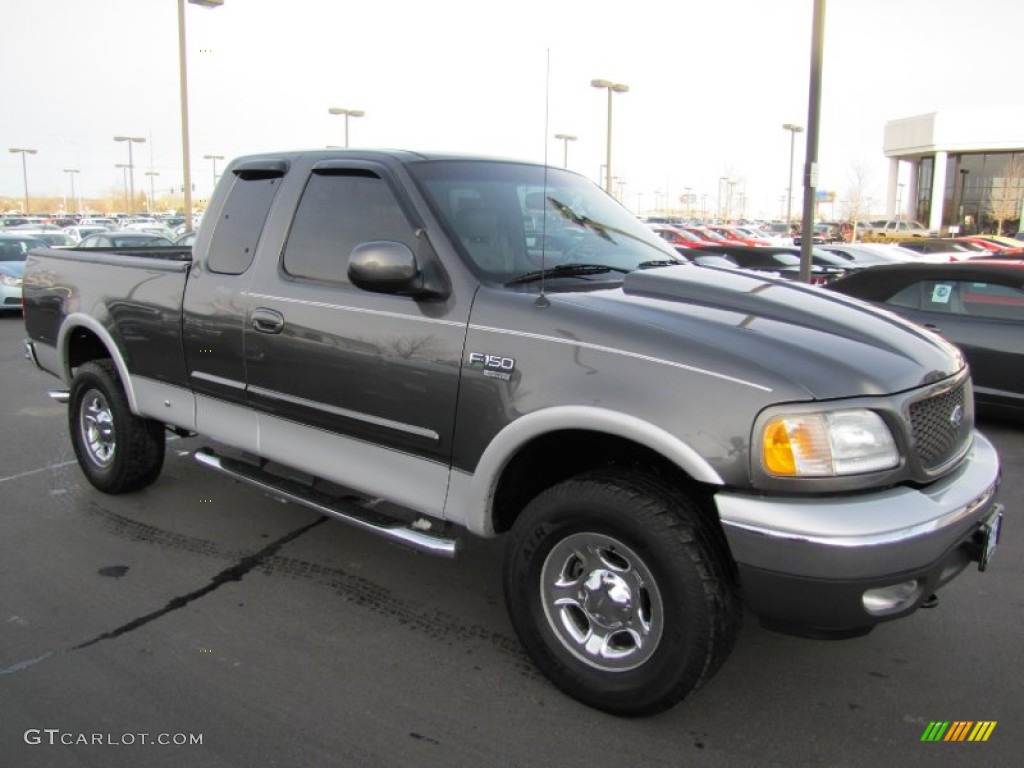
827, 444
10, 280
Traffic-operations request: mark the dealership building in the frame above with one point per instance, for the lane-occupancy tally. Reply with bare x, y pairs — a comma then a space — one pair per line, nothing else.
958, 170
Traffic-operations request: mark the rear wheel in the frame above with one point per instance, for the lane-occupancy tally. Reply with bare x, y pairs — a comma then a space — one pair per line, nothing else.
117, 450
621, 591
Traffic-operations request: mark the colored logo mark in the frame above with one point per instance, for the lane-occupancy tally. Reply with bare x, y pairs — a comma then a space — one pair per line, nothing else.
959, 730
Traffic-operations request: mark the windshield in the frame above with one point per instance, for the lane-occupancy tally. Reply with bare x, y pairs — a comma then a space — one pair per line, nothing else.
510, 220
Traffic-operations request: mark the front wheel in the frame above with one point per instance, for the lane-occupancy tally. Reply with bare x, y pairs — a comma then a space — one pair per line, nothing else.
621, 591
117, 450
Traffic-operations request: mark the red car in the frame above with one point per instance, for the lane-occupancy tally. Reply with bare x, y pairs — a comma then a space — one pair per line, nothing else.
997, 248
679, 236
737, 236
711, 237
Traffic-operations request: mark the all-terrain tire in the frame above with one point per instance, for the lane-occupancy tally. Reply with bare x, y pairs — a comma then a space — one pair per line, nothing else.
622, 591
117, 450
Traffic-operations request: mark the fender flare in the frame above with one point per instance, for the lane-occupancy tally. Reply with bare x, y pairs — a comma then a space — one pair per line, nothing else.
471, 496
78, 320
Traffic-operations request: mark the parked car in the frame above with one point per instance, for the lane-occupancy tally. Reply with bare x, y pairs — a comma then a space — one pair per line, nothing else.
153, 227
14, 249
679, 236
79, 231
899, 229
55, 238
954, 250
123, 238
189, 238
737, 235
782, 261
712, 236
976, 305
870, 254
1000, 241
666, 446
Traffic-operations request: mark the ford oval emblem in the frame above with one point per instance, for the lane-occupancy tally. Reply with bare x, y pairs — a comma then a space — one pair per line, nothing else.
956, 417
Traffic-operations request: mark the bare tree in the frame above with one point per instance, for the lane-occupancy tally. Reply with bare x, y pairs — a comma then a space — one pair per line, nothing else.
858, 193
1005, 199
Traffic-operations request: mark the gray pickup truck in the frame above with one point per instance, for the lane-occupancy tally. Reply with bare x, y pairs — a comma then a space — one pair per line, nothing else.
444, 343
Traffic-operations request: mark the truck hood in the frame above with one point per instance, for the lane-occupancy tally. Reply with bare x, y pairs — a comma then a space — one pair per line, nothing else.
791, 337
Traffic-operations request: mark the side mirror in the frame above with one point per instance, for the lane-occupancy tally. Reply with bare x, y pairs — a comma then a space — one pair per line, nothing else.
384, 266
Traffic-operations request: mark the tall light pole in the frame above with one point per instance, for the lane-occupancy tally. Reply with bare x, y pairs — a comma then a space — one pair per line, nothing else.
71, 175
215, 158
124, 166
729, 183
24, 168
186, 161
347, 113
152, 190
611, 88
793, 129
565, 138
810, 184
131, 166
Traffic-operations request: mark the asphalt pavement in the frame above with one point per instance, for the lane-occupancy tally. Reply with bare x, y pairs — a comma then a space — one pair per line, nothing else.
201, 623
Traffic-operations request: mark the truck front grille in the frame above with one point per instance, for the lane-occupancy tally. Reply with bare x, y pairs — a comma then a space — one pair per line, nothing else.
942, 425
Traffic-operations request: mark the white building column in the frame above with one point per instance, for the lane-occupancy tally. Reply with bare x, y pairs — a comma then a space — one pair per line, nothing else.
890, 191
938, 191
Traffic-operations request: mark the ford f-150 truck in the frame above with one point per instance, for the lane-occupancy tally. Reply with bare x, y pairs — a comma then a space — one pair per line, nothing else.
498, 347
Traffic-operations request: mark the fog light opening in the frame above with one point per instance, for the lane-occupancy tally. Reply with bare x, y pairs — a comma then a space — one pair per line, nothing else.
896, 597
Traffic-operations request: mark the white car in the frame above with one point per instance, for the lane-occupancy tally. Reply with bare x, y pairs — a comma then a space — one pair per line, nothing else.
152, 227
82, 230
900, 229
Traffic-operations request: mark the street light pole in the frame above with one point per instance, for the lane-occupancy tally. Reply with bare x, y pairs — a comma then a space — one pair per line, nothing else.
793, 129
186, 159
131, 166
810, 177
565, 139
152, 191
24, 168
71, 175
347, 113
215, 158
125, 166
611, 88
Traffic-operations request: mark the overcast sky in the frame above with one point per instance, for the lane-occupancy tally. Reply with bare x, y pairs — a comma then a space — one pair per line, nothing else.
711, 83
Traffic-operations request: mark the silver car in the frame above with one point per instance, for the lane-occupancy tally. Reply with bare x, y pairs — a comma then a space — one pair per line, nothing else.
13, 250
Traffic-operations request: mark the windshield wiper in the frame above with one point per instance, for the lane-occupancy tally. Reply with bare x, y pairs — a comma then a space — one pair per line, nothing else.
660, 263
566, 270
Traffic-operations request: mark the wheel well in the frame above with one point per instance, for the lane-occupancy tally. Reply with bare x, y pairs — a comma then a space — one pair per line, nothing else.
552, 458
85, 346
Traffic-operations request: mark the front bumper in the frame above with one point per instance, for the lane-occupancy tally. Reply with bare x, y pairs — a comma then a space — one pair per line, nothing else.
805, 564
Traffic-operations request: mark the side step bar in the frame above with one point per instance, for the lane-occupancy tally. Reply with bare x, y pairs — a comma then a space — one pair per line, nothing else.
341, 509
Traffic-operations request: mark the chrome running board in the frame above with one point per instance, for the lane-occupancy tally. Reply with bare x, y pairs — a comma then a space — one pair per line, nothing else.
409, 534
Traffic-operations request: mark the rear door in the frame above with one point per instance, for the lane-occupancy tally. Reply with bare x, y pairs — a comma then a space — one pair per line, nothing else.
216, 303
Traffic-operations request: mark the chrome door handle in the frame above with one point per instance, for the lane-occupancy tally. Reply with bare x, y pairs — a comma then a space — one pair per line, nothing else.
267, 320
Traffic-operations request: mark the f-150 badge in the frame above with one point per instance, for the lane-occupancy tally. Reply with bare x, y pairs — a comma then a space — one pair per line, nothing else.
494, 366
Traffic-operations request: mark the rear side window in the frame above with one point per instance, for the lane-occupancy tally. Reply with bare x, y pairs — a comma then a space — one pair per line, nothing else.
340, 209
241, 222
